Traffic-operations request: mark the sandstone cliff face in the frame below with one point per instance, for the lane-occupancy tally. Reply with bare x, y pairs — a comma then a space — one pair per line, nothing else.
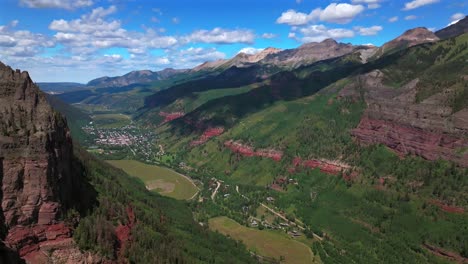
393, 118
36, 152
37, 175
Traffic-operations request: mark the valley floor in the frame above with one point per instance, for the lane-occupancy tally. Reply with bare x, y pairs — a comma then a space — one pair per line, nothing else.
265, 243
156, 178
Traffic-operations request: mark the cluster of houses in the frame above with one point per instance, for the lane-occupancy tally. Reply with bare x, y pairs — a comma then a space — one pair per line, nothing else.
138, 141
281, 183
255, 222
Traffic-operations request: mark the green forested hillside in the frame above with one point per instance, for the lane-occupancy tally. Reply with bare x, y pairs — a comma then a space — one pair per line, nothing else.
165, 231
383, 208
390, 209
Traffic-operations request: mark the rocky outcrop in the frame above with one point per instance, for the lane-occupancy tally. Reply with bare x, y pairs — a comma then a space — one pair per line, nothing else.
245, 60
207, 134
39, 182
406, 139
240, 60
168, 117
325, 166
248, 151
36, 151
429, 128
453, 30
309, 53
123, 232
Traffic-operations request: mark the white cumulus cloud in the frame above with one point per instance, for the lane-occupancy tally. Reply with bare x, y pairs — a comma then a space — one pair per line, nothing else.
337, 13
410, 17
368, 31
293, 18
418, 3
316, 33
371, 4
334, 13
221, 36
22, 43
93, 31
269, 35
393, 19
63, 4
455, 18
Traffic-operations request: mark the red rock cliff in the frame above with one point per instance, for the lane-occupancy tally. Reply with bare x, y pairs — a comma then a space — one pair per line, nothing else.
429, 129
37, 179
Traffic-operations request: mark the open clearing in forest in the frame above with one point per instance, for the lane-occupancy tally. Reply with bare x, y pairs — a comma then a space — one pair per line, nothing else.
111, 120
159, 179
264, 242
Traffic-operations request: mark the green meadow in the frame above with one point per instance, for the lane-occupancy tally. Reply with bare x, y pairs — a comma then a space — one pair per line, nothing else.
159, 179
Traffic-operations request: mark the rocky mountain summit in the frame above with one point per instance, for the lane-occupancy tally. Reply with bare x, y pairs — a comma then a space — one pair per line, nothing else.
308, 53
38, 173
289, 59
408, 39
244, 59
240, 60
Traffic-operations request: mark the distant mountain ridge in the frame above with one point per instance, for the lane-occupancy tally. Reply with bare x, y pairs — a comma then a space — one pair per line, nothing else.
60, 87
143, 76
289, 58
309, 53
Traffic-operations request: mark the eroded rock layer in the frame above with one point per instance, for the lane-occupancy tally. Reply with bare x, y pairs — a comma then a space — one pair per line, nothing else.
38, 181
429, 128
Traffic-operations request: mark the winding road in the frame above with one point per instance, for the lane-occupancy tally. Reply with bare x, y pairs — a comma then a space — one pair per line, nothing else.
216, 190
280, 215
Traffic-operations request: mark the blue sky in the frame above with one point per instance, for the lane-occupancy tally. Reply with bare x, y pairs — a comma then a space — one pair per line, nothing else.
78, 40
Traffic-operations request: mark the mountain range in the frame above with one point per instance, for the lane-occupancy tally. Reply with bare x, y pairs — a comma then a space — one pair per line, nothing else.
366, 147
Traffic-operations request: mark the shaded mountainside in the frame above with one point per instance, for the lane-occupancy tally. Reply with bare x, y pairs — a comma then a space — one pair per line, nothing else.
432, 96
454, 30
232, 77
76, 118
61, 205
285, 85
274, 70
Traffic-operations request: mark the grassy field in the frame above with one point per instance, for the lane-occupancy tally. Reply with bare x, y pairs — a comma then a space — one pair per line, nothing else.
159, 179
265, 243
111, 120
